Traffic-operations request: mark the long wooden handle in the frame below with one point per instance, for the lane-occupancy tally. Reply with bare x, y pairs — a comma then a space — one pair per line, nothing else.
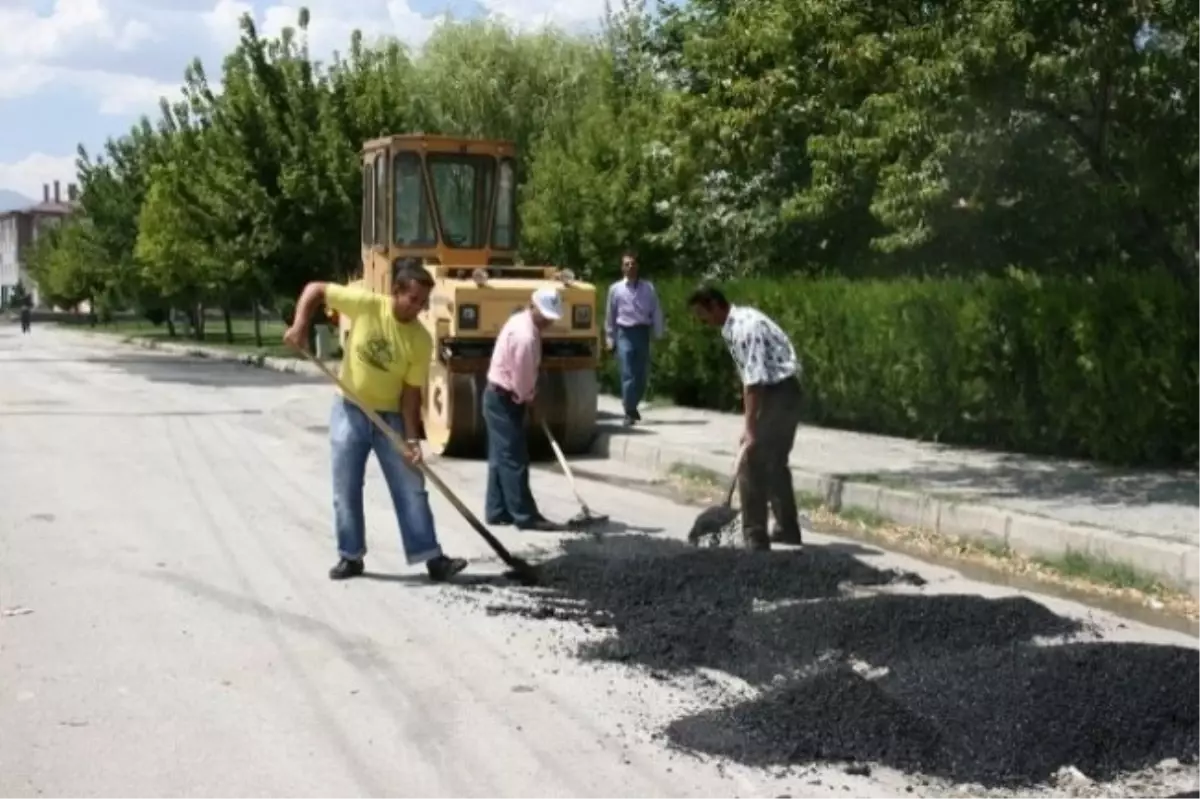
737, 470
400, 446
562, 461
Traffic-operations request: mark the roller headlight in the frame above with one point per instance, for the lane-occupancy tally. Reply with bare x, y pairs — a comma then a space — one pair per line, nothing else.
468, 317
581, 317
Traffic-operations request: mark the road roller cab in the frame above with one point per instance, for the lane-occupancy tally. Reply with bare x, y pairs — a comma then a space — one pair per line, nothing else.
452, 203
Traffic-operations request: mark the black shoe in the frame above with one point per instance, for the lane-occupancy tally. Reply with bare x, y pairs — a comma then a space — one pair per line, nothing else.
443, 568
779, 536
543, 525
637, 417
503, 521
628, 421
346, 568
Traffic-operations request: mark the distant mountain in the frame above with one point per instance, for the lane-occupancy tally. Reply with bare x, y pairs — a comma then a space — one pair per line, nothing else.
10, 200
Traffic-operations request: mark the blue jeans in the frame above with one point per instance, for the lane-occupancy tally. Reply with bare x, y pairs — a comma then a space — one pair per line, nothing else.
509, 498
353, 437
633, 352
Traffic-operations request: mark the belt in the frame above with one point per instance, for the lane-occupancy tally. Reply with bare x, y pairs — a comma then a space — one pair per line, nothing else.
793, 380
511, 396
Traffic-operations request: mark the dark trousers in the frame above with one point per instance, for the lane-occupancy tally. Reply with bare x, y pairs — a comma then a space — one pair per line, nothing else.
633, 352
766, 478
509, 499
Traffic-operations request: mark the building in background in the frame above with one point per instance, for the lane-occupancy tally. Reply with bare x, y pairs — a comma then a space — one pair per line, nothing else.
20, 228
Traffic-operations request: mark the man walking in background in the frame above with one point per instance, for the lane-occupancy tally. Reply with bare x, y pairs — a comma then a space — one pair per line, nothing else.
386, 365
633, 315
770, 372
511, 389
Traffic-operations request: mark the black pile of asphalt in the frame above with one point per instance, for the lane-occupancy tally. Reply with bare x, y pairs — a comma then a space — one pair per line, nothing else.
854, 669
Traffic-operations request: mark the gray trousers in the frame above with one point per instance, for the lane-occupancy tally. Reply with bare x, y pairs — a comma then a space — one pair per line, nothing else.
766, 478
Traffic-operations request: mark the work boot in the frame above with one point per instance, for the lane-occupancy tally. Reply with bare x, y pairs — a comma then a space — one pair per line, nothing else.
346, 568
443, 568
781, 536
756, 540
543, 525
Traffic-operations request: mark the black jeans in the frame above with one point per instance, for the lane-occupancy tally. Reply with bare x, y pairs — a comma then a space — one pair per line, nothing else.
766, 478
508, 496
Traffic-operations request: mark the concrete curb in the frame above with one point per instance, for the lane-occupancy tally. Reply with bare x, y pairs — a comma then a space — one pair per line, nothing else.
286, 365
1175, 564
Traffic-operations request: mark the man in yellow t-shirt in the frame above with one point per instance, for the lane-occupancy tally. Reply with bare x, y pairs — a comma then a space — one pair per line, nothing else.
386, 365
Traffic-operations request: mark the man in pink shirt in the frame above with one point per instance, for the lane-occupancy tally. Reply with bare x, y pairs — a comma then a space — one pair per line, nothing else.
512, 385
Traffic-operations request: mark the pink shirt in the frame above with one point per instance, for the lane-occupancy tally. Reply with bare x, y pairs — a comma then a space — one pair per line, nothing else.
517, 356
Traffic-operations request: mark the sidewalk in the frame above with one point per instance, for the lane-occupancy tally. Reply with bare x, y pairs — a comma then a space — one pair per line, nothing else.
1037, 506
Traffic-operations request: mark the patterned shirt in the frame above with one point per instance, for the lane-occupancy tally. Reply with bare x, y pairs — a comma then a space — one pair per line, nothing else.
630, 304
760, 348
517, 356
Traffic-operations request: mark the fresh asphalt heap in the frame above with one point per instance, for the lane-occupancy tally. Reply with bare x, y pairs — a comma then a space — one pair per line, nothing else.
947, 686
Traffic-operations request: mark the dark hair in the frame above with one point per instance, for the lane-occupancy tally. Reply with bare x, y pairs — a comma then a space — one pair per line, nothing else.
629, 252
708, 297
407, 270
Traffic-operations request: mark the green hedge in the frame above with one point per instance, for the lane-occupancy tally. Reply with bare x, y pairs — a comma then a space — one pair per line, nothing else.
1104, 369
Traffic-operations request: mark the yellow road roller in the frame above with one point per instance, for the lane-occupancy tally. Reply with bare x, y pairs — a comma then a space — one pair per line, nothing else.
452, 202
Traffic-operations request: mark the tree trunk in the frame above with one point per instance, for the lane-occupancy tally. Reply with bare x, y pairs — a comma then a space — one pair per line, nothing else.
198, 321
171, 321
258, 341
228, 323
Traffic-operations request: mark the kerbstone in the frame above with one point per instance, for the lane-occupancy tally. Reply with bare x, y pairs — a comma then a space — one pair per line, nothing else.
974, 522
861, 496
1191, 571
1038, 537
1148, 555
902, 507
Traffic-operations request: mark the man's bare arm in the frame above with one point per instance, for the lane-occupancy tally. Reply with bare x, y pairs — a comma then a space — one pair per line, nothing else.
312, 298
752, 401
410, 409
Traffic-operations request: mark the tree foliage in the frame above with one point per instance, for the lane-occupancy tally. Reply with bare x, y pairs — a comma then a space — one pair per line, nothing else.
765, 136
757, 138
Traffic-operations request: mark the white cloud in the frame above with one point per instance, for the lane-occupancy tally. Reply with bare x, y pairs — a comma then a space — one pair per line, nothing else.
126, 54
566, 14
35, 170
73, 24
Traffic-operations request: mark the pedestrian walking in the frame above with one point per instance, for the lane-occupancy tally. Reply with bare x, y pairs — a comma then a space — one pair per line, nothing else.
26, 318
770, 375
634, 315
509, 395
386, 364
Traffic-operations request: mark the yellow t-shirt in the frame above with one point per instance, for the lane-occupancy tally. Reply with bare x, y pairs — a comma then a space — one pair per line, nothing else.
382, 355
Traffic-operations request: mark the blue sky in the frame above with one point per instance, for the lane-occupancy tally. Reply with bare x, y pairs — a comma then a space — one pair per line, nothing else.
76, 71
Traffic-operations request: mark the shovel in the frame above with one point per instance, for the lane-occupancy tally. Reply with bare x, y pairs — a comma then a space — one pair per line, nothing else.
585, 518
522, 570
713, 519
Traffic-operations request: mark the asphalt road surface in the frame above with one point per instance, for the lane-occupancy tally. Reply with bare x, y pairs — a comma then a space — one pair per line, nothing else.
168, 627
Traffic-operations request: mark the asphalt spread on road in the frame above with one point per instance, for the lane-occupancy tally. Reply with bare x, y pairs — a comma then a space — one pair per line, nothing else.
855, 664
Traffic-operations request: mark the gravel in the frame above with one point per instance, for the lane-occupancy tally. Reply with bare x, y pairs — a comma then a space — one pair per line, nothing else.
851, 663
1006, 716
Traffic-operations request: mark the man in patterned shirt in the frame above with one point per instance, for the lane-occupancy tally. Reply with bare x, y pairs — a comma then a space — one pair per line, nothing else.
770, 374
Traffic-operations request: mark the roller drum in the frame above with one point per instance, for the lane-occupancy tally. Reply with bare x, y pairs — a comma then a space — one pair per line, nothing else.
567, 398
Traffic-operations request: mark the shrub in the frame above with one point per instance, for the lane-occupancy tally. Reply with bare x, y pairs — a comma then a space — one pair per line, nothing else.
1102, 368
155, 315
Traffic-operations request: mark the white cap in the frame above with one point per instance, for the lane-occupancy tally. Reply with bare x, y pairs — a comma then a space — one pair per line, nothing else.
548, 303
